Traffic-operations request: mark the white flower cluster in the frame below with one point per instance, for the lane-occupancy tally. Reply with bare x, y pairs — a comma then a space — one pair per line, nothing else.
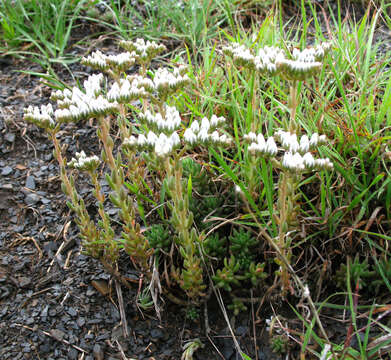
296, 155
273, 60
163, 144
76, 105
131, 88
92, 86
42, 117
99, 61
166, 82
239, 53
268, 59
143, 51
265, 61
84, 162
170, 122
296, 162
298, 70
260, 145
312, 54
206, 132
290, 142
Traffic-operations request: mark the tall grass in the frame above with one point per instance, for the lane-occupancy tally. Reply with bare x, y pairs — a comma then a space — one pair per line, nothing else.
40, 30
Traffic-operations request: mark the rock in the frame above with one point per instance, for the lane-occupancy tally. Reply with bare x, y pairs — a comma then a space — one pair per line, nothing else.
241, 330
98, 352
72, 354
24, 281
6, 170
81, 321
57, 334
10, 137
30, 182
156, 334
71, 311
31, 199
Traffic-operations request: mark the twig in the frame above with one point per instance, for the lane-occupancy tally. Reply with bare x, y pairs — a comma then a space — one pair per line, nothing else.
65, 298
63, 244
58, 252
23, 239
53, 337
66, 265
254, 332
123, 355
122, 310
215, 347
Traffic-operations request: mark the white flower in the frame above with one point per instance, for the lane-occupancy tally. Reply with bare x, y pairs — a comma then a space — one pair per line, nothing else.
171, 121
142, 140
114, 92
261, 141
189, 136
151, 138
306, 292
195, 127
238, 190
304, 144
203, 135
205, 124
254, 148
130, 141
215, 137
322, 140
293, 161
174, 139
271, 147
308, 160
251, 136
324, 164
42, 117
82, 162
163, 145
224, 139
215, 121
314, 139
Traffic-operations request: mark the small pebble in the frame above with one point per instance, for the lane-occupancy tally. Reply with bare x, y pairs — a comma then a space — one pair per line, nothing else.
6, 170
30, 182
31, 199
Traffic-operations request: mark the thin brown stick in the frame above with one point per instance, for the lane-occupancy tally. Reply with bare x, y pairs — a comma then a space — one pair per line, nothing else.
122, 309
53, 337
254, 330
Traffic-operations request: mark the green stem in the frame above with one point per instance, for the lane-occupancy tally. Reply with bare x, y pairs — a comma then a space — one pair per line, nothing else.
293, 102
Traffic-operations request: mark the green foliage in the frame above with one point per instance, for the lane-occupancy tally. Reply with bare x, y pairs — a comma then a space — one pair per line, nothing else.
215, 245
241, 244
349, 100
192, 313
255, 272
237, 306
359, 272
278, 344
227, 276
144, 300
381, 271
199, 178
159, 237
